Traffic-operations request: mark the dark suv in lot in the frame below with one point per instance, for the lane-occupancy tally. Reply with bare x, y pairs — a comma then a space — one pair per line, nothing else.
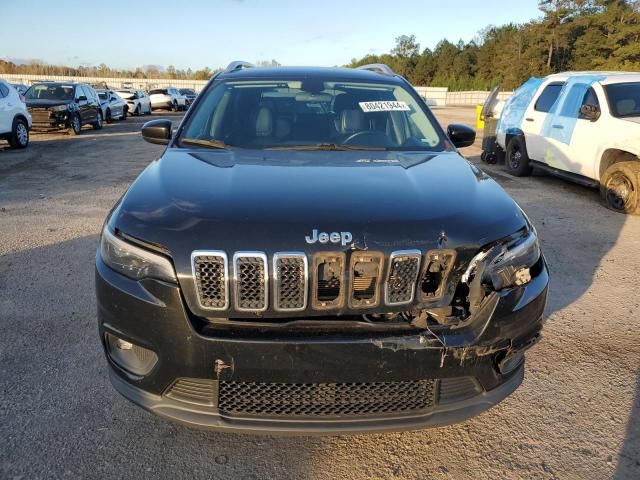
63, 106
312, 254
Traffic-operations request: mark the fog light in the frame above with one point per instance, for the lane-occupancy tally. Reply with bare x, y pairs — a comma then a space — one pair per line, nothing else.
129, 356
511, 363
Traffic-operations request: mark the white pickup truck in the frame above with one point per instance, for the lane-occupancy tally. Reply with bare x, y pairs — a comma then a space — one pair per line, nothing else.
584, 126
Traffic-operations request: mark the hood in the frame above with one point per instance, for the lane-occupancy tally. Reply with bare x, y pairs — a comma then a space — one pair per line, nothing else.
270, 200
36, 103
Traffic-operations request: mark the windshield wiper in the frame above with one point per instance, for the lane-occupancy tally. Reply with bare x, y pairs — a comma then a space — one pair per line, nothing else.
325, 146
213, 143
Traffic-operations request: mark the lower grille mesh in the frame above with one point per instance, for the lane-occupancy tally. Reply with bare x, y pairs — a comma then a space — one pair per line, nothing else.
325, 399
198, 391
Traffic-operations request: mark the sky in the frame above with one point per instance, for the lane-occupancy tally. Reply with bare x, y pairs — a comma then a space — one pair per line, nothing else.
199, 33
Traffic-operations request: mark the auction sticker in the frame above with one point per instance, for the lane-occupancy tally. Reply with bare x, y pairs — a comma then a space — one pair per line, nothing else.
385, 106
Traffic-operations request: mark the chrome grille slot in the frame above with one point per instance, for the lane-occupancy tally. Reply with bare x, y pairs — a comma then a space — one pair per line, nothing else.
365, 270
211, 276
251, 283
435, 271
404, 267
290, 281
328, 280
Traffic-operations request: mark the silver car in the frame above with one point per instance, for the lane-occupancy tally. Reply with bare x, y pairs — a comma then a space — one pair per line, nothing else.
113, 107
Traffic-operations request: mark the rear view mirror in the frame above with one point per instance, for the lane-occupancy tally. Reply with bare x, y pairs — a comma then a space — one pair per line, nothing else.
590, 112
461, 135
157, 131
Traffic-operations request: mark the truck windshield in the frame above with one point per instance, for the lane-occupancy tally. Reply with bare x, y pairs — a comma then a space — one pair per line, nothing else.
624, 99
309, 114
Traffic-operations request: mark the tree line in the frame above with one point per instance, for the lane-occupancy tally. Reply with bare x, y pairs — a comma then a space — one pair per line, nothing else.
570, 35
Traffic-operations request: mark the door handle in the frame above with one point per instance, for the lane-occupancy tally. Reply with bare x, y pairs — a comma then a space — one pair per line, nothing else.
529, 119
559, 127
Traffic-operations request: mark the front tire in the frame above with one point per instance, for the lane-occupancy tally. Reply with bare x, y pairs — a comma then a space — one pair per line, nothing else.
97, 125
517, 160
620, 187
136, 112
124, 114
75, 124
175, 106
19, 134
108, 118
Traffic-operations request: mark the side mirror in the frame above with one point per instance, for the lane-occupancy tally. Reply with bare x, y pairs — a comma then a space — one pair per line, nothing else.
157, 131
590, 112
461, 135
82, 98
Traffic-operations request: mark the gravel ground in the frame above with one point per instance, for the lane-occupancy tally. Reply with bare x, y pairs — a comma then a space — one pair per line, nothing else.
577, 415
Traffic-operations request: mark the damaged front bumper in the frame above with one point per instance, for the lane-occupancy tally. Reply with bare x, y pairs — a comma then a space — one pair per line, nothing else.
305, 383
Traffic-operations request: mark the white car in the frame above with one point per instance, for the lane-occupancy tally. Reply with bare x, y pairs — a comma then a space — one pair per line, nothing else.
583, 126
167, 98
15, 120
137, 101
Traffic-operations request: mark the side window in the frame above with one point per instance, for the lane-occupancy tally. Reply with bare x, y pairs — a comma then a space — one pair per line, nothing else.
548, 97
590, 98
4, 90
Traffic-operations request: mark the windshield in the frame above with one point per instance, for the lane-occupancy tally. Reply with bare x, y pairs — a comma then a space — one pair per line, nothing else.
292, 114
50, 92
126, 95
158, 92
187, 91
624, 99
102, 95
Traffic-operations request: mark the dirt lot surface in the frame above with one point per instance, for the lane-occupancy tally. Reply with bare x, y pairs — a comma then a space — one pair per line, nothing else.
577, 415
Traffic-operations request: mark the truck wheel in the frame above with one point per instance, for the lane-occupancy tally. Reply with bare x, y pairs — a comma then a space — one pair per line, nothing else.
75, 125
97, 125
620, 187
20, 134
517, 161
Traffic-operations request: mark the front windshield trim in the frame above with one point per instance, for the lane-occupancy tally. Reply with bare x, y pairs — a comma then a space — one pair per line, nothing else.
436, 142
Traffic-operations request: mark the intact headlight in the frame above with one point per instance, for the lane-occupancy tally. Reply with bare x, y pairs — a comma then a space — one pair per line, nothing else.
132, 261
506, 264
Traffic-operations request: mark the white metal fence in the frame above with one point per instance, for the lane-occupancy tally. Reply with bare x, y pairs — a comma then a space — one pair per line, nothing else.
434, 96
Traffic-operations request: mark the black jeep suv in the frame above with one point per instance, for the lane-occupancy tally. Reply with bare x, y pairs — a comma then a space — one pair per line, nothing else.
312, 254
62, 105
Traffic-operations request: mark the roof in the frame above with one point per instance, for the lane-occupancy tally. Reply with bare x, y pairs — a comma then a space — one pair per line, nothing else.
325, 73
609, 77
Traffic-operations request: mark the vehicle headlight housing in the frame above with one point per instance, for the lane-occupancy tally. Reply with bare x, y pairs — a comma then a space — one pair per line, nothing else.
59, 108
511, 266
507, 263
132, 261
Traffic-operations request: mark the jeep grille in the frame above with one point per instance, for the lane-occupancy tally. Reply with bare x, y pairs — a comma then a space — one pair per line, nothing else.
322, 282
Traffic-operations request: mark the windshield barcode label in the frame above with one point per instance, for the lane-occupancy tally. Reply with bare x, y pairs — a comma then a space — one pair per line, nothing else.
386, 106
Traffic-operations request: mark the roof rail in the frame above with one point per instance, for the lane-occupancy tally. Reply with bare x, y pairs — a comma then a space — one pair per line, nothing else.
378, 67
238, 65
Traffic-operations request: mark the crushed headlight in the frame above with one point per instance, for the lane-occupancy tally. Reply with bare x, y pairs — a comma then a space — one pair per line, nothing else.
508, 263
132, 261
